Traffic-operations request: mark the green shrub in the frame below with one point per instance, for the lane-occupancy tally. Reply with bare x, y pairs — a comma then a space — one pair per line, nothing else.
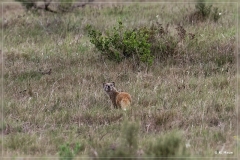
119, 43
141, 44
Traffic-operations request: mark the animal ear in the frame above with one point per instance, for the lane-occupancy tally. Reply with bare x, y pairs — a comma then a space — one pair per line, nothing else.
113, 84
104, 84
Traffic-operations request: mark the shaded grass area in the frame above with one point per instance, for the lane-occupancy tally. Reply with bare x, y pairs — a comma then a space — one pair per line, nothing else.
186, 99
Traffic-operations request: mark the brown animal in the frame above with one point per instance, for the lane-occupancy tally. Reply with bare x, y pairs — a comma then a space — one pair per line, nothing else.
119, 99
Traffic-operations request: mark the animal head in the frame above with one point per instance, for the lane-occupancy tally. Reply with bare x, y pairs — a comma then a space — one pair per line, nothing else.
108, 87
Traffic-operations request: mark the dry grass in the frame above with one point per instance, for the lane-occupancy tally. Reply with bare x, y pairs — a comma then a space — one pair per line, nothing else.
193, 94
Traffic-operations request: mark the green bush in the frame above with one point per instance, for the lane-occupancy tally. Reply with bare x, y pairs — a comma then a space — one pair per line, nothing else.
141, 44
119, 43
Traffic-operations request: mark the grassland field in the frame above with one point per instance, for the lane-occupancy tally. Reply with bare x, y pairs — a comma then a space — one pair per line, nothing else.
53, 104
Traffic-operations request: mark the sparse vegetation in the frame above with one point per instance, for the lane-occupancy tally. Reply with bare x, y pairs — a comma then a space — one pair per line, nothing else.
183, 103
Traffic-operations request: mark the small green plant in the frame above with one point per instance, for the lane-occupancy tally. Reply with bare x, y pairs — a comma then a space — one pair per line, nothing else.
66, 153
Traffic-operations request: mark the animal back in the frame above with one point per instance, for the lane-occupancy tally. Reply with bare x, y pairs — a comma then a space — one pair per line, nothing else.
123, 100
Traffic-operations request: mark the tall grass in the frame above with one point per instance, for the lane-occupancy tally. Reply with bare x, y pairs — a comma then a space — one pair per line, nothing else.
183, 106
